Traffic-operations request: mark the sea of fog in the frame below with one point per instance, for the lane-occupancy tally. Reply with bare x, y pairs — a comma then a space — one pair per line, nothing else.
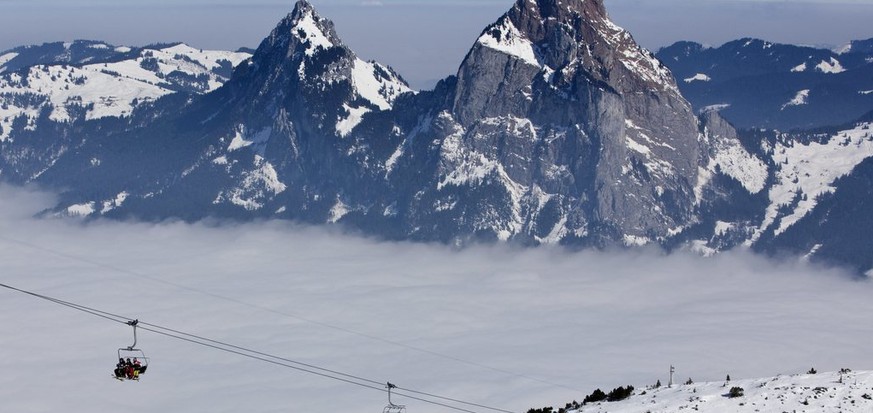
498, 326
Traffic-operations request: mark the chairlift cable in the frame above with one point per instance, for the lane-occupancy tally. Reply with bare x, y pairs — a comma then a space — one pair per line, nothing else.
232, 346
284, 314
260, 356
121, 319
155, 328
449, 399
220, 343
267, 359
91, 311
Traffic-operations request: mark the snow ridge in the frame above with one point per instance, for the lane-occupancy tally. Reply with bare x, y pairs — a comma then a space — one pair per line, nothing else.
836, 392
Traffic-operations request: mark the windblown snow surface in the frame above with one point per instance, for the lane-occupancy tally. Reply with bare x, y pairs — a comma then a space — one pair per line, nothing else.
497, 326
833, 392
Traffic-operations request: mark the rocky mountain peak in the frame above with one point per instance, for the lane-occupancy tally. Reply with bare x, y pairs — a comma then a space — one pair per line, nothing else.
301, 31
565, 37
563, 69
303, 70
560, 10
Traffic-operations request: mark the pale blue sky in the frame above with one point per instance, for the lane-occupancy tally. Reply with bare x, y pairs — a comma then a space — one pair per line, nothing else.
423, 39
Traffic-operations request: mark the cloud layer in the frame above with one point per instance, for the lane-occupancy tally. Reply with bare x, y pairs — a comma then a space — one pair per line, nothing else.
495, 325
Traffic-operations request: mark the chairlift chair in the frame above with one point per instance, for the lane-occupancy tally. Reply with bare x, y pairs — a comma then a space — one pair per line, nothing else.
391, 407
133, 353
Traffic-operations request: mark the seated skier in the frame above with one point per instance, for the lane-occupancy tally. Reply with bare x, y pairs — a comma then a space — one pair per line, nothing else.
128, 369
120, 368
137, 368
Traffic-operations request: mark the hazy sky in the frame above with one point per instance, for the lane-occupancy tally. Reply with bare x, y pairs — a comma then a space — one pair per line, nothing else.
423, 39
508, 328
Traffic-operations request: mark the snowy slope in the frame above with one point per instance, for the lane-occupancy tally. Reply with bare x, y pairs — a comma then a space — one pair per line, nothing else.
102, 93
208, 68
78, 52
728, 156
850, 392
506, 38
805, 171
109, 89
5, 58
375, 83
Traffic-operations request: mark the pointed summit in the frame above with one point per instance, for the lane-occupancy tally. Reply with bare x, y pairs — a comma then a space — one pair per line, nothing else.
302, 30
302, 5
532, 11
563, 42
304, 68
568, 35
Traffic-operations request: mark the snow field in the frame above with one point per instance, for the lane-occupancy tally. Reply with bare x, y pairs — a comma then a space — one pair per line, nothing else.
819, 393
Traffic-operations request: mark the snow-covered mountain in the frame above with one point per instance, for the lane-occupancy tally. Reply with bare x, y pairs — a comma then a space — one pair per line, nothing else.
78, 52
557, 129
275, 140
820, 195
789, 208
844, 392
66, 85
759, 84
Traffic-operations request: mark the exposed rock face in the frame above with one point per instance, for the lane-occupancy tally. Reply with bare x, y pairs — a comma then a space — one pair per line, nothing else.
565, 120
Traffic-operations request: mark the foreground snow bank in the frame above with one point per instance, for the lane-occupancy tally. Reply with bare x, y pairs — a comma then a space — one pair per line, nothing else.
846, 392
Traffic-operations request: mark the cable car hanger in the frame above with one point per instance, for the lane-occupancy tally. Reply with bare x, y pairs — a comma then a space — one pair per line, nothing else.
128, 369
391, 407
